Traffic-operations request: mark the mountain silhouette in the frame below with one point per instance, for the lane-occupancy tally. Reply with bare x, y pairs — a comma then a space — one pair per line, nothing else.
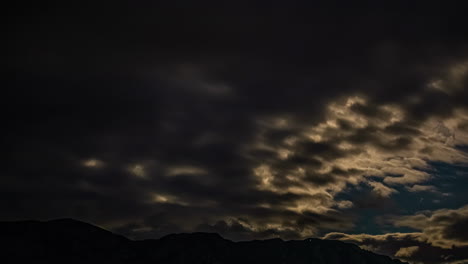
72, 241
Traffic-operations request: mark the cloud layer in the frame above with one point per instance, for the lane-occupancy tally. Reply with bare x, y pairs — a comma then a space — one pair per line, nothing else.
254, 121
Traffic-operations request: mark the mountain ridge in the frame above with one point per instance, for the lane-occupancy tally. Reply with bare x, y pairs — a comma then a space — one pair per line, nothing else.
73, 241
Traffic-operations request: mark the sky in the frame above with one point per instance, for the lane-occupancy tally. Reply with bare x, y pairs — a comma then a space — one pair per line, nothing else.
293, 119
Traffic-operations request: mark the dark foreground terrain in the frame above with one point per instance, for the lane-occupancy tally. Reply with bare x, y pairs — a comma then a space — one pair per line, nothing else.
71, 241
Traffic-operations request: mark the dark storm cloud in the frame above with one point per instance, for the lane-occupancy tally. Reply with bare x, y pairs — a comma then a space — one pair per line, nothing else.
148, 117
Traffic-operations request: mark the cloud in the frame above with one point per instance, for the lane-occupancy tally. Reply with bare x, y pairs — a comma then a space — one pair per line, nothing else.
422, 188
240, 230
406, 252
381, 189
443, 228
357, 142
442, 237
411, 247
93, 163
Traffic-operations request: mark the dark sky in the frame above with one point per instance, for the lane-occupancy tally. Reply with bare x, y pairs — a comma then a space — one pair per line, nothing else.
288, 119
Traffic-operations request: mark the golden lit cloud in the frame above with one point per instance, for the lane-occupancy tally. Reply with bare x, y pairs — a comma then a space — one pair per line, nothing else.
137, 170
93, 163
169, 199
184, 170
357, 142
